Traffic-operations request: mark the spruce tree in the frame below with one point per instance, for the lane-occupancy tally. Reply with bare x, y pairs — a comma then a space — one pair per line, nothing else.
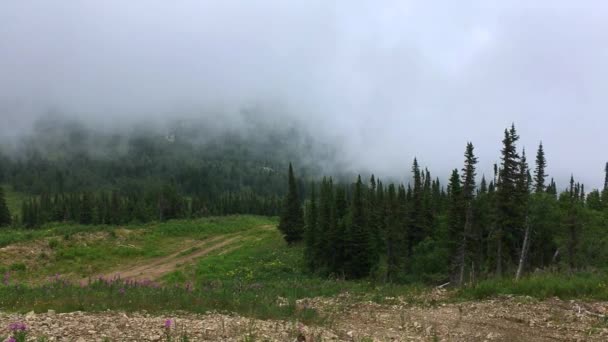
359, 241
605, 190
606, 178
5, 215
416, 229
311, 229
469, 173
395, 239
456, 220
507, 210
326, 230
468, 194
292, 223
86, 209
539, 170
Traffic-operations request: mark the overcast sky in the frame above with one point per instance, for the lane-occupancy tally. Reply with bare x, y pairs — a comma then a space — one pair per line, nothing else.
393, 79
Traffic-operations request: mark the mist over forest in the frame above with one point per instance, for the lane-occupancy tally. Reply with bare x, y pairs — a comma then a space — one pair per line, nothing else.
378, 84
303, 170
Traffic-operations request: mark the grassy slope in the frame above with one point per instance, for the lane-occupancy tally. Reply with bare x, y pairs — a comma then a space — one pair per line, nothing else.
246, 277
80, 251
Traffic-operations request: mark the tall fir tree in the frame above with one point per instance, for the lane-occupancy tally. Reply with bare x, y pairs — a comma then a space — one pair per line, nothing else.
5, 215
539, 170
292, 223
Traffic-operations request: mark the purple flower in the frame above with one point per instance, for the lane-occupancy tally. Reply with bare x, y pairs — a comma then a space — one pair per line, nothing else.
11, 339
16, 327
122, 291
168, 324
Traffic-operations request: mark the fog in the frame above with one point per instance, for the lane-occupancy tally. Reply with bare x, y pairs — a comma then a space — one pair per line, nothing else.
385, 81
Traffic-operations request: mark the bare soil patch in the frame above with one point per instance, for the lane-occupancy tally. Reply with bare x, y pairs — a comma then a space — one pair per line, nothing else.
505, 319
156, 268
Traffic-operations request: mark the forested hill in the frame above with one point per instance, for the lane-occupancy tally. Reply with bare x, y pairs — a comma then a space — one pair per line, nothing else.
64, 156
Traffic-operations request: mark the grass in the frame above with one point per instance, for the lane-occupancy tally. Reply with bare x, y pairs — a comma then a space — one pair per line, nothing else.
82, 251
592, 286
256, 275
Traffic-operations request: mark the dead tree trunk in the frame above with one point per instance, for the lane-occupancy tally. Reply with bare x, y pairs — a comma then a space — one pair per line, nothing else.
499, 253
463, 247
524, 251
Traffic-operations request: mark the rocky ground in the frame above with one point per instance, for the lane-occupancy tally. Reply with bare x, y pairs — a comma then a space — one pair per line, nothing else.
505, 319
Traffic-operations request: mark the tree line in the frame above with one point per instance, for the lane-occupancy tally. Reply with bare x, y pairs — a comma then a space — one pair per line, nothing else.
515, 221
115, 207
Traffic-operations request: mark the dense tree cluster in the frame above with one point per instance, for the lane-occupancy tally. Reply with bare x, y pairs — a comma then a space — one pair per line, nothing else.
5, 215
159, 204
513, 223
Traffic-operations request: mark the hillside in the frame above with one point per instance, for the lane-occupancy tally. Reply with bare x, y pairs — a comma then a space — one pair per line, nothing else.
233, 278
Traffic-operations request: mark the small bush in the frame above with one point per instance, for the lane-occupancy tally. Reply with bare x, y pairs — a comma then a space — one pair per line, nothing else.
17, 267
53, 243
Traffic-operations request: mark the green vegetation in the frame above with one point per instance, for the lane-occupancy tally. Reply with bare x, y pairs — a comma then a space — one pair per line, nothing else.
589, 286
371, 239
258, 274
421, 232
292, 222
79, 251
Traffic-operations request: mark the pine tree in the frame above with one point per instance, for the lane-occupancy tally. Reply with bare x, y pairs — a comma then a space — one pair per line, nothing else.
292, 222
5, 215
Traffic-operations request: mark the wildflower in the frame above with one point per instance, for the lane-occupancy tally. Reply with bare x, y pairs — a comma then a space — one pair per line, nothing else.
16, 327
168, 324
6, 278
122, 291
11, 339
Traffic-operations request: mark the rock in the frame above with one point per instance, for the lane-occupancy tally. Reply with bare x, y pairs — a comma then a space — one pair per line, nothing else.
80, 339
50, 312
30, 315
281, 301
491, 336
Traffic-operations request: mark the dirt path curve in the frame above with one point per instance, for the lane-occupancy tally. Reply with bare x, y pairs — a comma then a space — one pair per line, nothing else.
156, 268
